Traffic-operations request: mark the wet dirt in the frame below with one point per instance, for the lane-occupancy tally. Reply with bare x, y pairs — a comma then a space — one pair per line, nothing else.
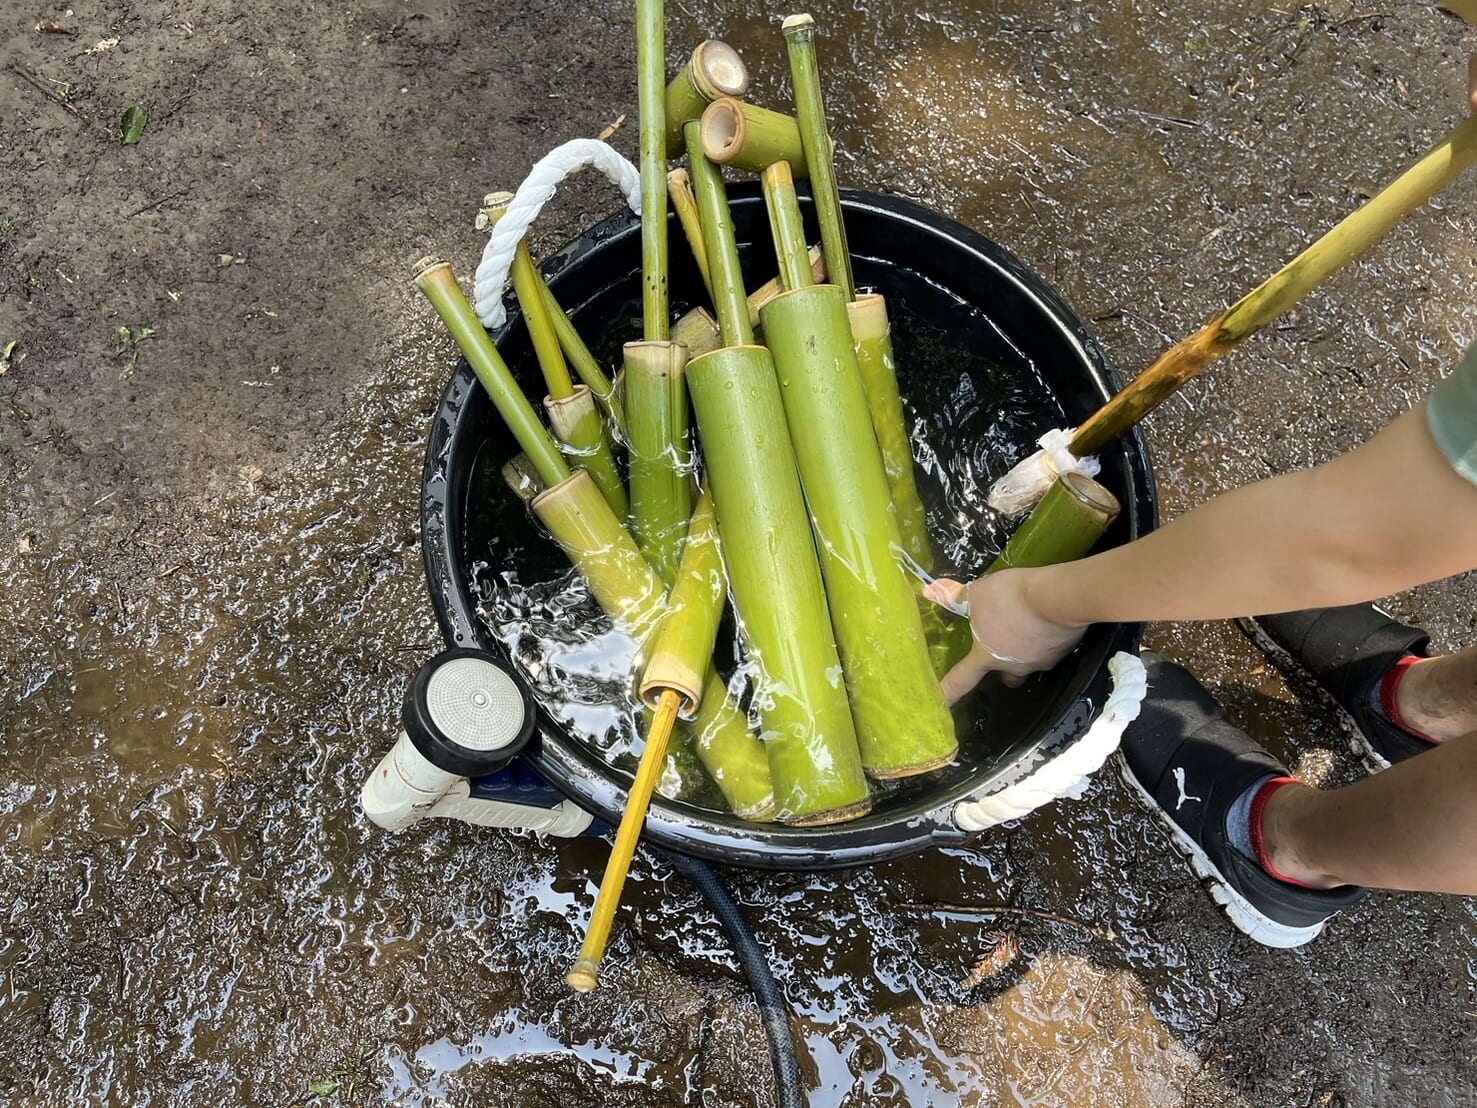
213, 594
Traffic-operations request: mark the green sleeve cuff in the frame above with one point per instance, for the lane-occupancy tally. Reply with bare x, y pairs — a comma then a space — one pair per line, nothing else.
1452, 414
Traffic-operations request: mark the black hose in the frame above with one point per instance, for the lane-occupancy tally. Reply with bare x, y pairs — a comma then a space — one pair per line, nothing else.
773, 1010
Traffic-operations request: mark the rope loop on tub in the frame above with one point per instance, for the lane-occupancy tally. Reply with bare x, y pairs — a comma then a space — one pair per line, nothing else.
535, 191
1068, 773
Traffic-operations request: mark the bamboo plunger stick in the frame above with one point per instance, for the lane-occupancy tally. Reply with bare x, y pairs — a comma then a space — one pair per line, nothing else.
651, 104
874, 355
438, 283
714, 70
789, 228
586, 972
729, 299
749, 137
679, 188
810, 112
1448, 159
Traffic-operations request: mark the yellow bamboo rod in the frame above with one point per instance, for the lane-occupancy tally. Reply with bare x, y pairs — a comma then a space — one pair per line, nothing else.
586, 972
1345, 242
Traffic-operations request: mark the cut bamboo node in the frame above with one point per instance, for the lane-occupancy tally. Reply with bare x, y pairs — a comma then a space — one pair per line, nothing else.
749, 137
797, 23
868, 314
893, 773
424, 265
830, 816
715, 70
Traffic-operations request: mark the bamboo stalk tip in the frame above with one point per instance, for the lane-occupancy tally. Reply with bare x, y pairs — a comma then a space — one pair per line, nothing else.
425, 264
718, 66
678, 179
498, 199
778, 175
722, 129
800, 21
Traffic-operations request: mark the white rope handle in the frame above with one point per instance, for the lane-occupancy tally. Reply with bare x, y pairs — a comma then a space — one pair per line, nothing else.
535, 191
1068, 773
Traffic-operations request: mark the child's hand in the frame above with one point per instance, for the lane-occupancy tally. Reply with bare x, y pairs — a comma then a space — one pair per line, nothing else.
1011, 637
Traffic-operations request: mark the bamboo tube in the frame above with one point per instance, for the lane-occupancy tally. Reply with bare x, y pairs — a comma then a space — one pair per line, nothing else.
435, 279
789, 228
576, 423
775, 579
586, 972
1068, 522
872, 334
714, 70
682, 650
772, 288
585, 366
581, 520
519, 476
903, 724
749, 137
660, 457
683, 777
734, 326
651, 106
736, 761
810, 113
594, 540
698, 331
679, 188
1447, 160
601, 548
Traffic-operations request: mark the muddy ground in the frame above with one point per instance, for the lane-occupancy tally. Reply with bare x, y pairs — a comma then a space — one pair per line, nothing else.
212, 593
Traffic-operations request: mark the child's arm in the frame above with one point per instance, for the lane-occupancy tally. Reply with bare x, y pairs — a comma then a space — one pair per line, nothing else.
1389, 515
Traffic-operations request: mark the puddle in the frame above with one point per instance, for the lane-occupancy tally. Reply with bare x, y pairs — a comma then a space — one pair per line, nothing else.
195, 913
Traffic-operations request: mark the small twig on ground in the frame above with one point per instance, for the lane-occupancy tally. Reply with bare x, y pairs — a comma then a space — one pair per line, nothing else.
154, 204
1009, 910
52, 98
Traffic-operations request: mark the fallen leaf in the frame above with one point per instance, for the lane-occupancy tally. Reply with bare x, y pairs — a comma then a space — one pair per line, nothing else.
135, 119
1002, 949
250, 475
101, 45
223, 260
52, 27
324, 1086
612, 128
23, 544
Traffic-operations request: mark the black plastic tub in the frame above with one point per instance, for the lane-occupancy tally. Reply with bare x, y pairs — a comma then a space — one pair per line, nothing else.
948, 279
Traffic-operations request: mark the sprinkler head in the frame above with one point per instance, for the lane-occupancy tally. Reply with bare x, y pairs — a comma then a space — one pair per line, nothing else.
466, 715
